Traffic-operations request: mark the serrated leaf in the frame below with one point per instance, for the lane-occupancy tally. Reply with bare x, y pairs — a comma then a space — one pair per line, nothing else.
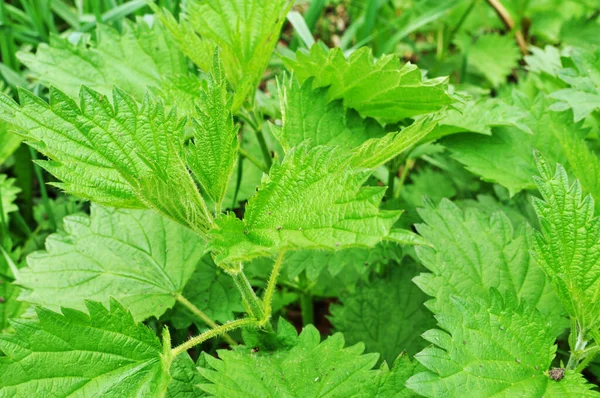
123, 155
212, 291
382, 89
506, 156
491, 55
474, 252
135, 256
308, 114
500, 348
213, 150
9, 142
8, 193
387, 314
140, 58
312, 200
568, 247
246, 33
310, 369
76, 355
582, 74
185, 379
391, 383
10, 307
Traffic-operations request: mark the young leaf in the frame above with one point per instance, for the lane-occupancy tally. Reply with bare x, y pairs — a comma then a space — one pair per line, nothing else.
122, 155
73, 354
213, 151
387, 314
313, 199
308, 114
135, 256
568, 248
473, 252
381, 89
582, 74
139, 59
500, 348
310, 369
246, 32
9, 142
8, 193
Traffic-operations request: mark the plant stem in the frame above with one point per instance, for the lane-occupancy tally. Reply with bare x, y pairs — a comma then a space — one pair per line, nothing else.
509, 23
43, 191
306, 307
268, 298
198, 312
576, 351
252, 159
194, 341
251, 301
264, 148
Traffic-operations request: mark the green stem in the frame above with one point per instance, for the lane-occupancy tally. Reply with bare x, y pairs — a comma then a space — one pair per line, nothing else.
408, 165
268, 298
389, 193
43, 191
264, 148
253, 159
306, 306
198, 312
580, 344
251, 301
228, 327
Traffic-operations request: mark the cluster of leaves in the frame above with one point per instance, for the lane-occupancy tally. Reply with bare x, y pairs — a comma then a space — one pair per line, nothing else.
331, 221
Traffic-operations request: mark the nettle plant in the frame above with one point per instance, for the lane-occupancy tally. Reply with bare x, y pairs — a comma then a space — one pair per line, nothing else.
156, 148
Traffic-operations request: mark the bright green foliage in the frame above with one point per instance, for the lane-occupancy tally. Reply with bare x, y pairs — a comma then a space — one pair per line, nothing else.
8, 193
473, 252
308, 114
376, 151
77, 355
312, 200
391, 383
480, 116
381, 89
245, 32
185, 379
387, 314
582, 74
213, 152
506, 158
310, 369
9, 142
139, 59
568, 248
135, 256
210, 290
10, 307
492, 56
123, 155
500, 348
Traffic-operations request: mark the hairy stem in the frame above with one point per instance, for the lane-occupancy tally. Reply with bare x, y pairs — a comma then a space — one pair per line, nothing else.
198, 312
509, 23
268, 298
251, 301
580, 344
219, 330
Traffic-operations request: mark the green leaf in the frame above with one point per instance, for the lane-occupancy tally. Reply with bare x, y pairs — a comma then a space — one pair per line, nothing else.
311, 200
139, 59
135, 256
213, 151
310, 369
73, 354
122, 155
567, 248
387, 314
473, 252
500, 348
246, 33
491, 55
582, 74
10, 307
185, 379
212, 291
381, 89
9, 142
506, 157
8, 193
308, 114
391, 383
